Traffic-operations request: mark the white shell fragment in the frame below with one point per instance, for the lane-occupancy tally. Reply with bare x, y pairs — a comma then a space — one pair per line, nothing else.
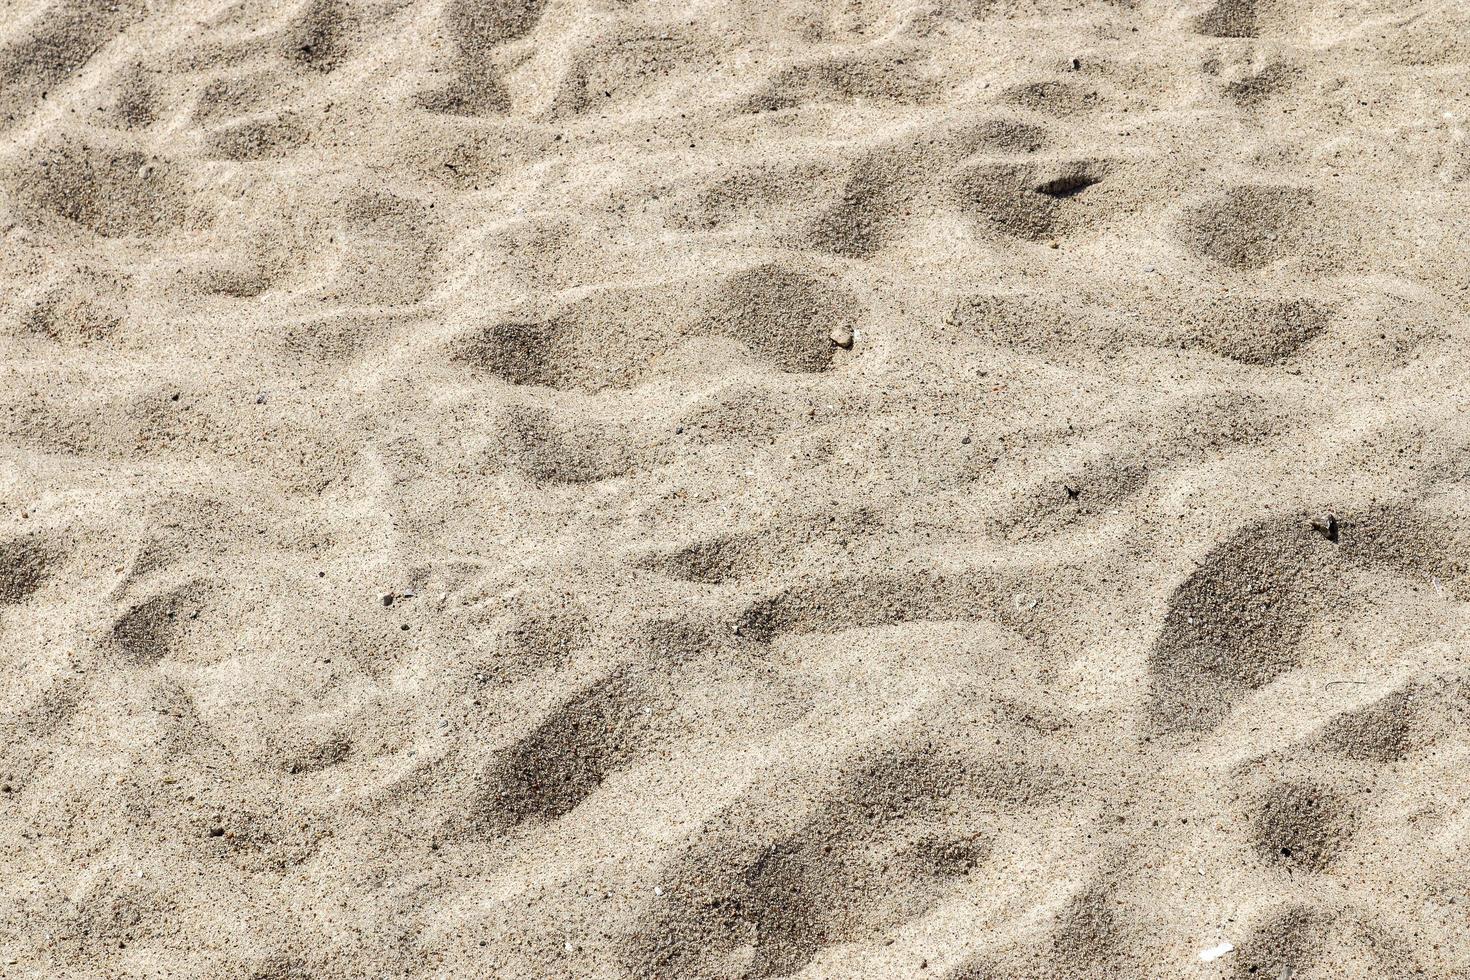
1215, 952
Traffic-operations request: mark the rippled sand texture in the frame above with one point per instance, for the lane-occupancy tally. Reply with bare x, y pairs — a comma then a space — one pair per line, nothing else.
822, 488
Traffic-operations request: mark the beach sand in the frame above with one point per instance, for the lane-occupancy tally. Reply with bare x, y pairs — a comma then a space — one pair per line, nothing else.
967, 489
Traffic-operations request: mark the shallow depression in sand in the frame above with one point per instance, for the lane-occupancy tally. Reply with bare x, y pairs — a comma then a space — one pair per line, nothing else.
597, 489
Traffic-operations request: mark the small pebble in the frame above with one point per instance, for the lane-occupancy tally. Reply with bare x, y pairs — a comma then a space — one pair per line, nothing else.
842, 337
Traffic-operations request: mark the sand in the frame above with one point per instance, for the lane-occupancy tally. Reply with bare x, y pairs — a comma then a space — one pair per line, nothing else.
968, 489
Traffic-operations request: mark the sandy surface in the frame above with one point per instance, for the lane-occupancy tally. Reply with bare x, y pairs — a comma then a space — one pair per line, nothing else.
824, 488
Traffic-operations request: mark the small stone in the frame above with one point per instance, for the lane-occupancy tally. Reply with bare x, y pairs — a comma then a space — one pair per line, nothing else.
388, 600
658, 890
842, 337
1053, 244
965, 441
